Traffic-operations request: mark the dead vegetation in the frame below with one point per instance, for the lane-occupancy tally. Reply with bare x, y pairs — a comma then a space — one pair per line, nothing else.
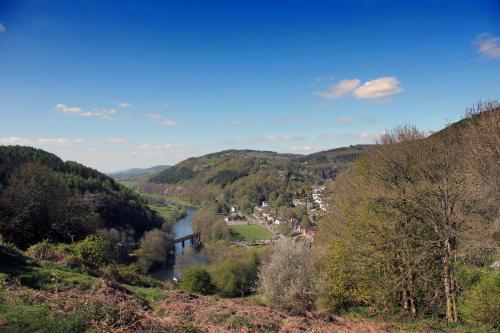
109, 307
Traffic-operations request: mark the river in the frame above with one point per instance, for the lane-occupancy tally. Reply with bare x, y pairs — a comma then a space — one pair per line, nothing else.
183, 259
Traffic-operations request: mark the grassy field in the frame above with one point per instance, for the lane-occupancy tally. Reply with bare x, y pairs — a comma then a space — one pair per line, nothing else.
165, 198
249, 233
166, 212
131, 184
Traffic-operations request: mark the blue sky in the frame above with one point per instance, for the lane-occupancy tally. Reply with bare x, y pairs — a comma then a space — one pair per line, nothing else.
119, 84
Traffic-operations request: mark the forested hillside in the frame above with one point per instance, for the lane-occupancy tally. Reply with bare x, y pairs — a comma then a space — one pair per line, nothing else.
45, 198
415, 225
246, 177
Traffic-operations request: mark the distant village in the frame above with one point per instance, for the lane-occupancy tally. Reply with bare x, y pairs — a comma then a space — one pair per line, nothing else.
272, 218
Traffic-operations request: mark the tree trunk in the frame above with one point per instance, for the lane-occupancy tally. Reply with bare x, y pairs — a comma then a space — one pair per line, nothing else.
448, 286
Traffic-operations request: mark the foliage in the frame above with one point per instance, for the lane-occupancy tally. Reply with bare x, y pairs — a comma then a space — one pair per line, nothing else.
173, 175
210, 223
407, 214
45, 251
481, 304
246, 178
226, 177
197, 279
287, 278
154, 247
44, 198
236, 275
93, 251
148, 294
130, 275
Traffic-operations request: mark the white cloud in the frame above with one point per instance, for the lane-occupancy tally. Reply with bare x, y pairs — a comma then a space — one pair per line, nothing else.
153, 116
351, 138
76, 110
174, 146
147, 147
170, 147
169, 122
302, 150
124, 104
58, 141
115, 141
234, 122
379, 88
341, 89
68, 109
158, 118
282, 138
372, 135
14, 140
343, 120
488, 45
382, 87
2, 28
101, 113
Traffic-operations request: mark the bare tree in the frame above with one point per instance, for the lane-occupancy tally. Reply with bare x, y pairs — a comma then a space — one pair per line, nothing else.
286, 279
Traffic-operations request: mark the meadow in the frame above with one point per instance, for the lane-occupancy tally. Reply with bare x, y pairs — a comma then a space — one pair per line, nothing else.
250, 233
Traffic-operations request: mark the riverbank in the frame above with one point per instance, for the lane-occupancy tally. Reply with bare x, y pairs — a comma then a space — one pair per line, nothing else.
183, 258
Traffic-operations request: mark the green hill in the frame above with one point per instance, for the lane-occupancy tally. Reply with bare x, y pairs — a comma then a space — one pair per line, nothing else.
246, 177
43, 197
137, 172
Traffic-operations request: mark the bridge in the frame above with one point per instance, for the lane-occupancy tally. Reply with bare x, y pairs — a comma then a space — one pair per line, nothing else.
194, 239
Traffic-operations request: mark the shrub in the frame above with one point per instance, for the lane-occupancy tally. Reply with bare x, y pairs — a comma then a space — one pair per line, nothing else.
4, 280
287, 278
236, 276
481, 305
130, 275
93, 251
196, 279
153, 249
45, 251
10, 250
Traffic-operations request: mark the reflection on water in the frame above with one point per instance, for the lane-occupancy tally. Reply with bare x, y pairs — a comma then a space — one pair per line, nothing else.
183, 259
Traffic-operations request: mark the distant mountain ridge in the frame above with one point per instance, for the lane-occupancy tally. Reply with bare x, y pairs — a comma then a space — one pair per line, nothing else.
137, 172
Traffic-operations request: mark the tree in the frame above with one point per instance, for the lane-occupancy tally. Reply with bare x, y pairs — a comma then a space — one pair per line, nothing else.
31, 205
196, 279
236, 275
407, 215
153, 249
287, 278
93, 251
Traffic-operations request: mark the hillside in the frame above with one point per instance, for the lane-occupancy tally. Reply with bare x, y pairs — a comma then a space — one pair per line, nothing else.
107, 300
246, 177
45, 198
137, 172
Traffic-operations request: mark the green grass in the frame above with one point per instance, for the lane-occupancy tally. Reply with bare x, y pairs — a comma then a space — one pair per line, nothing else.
131, 184
174, 201
23, 315
147, 294
164, 211
45, 275
250, 233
